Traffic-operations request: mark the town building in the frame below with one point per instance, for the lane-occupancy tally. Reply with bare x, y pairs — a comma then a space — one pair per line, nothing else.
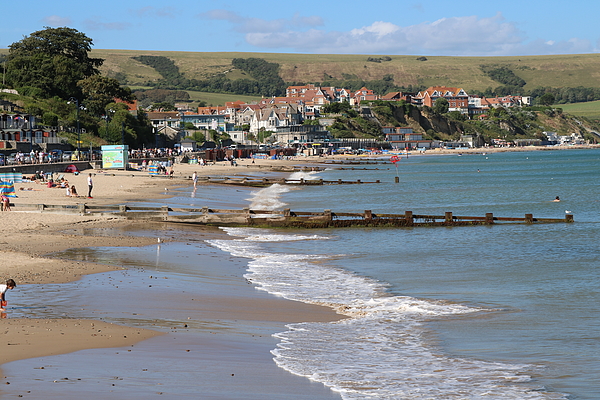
404, 138
16, 129
458, 99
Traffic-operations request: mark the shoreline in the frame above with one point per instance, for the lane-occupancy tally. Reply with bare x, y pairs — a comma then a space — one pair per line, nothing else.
36, 238
36, 235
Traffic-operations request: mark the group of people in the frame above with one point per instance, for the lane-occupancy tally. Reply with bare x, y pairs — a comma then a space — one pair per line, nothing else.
70, 190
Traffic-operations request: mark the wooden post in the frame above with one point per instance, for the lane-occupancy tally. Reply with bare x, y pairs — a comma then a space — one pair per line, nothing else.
327, 215
265, 180
41, 207
81, 208
122, 208
397, 179
408, 216
287, 213
358, 181
449, 217
489, 218
165, 212
339, 181
368, 215
529, 218
569, 218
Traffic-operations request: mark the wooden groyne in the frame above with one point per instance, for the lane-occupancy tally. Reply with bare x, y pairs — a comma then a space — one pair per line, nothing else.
355, 162
255, 182
286, 218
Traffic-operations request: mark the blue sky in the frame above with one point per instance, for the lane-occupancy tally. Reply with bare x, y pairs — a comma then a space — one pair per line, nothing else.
398, 27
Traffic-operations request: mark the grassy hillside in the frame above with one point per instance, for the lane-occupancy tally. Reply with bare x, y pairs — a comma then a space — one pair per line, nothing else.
590, 109
216, 99
554, 71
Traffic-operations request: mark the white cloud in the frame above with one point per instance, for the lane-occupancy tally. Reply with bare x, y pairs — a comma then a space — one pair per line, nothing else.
379, 28
257, 25
96, 25
55, 20
457, 36
149, 11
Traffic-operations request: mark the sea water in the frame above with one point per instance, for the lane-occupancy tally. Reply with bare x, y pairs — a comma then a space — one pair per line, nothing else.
506, 311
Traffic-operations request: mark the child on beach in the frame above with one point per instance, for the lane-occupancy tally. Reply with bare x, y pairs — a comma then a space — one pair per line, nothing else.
10, 284
5, 203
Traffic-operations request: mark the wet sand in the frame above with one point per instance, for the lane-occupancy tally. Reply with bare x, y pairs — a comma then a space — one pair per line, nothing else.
229, 322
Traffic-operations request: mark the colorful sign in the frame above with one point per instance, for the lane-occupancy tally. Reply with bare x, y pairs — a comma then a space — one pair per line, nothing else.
115, 156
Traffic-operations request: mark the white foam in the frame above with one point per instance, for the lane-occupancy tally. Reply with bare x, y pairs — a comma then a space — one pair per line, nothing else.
306, 175
268, 198
381, 350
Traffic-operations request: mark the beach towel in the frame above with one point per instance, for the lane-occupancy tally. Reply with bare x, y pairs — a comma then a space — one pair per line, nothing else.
7, 189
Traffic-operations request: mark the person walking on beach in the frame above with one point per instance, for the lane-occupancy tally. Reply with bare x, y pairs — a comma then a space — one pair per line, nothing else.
195, 179
90, 186
10, 284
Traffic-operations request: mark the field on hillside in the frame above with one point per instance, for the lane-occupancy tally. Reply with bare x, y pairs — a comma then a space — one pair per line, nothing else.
553, 71
219, 99
590, 109
538, 71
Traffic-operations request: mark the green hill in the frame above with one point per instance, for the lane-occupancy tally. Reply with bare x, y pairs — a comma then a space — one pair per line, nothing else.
537, 71
590, 109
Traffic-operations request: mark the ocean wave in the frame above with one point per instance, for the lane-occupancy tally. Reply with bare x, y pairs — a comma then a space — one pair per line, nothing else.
268, 198
381, 350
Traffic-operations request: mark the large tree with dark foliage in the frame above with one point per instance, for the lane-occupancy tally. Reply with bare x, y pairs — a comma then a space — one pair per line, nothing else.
99, 91
50, 62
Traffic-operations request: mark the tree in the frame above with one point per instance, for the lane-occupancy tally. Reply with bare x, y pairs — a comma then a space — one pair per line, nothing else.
99, 91
341, 107
163, 106
198, 137
546, 99
441, 106
52, 60
121, 124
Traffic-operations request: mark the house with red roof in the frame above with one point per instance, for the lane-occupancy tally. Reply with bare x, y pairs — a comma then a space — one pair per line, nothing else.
458, 99
363, 94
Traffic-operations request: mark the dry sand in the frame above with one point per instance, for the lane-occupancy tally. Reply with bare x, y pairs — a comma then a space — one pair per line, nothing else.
33, 234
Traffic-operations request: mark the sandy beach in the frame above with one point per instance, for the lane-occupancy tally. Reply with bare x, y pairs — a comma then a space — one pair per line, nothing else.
35, 236
31, 237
